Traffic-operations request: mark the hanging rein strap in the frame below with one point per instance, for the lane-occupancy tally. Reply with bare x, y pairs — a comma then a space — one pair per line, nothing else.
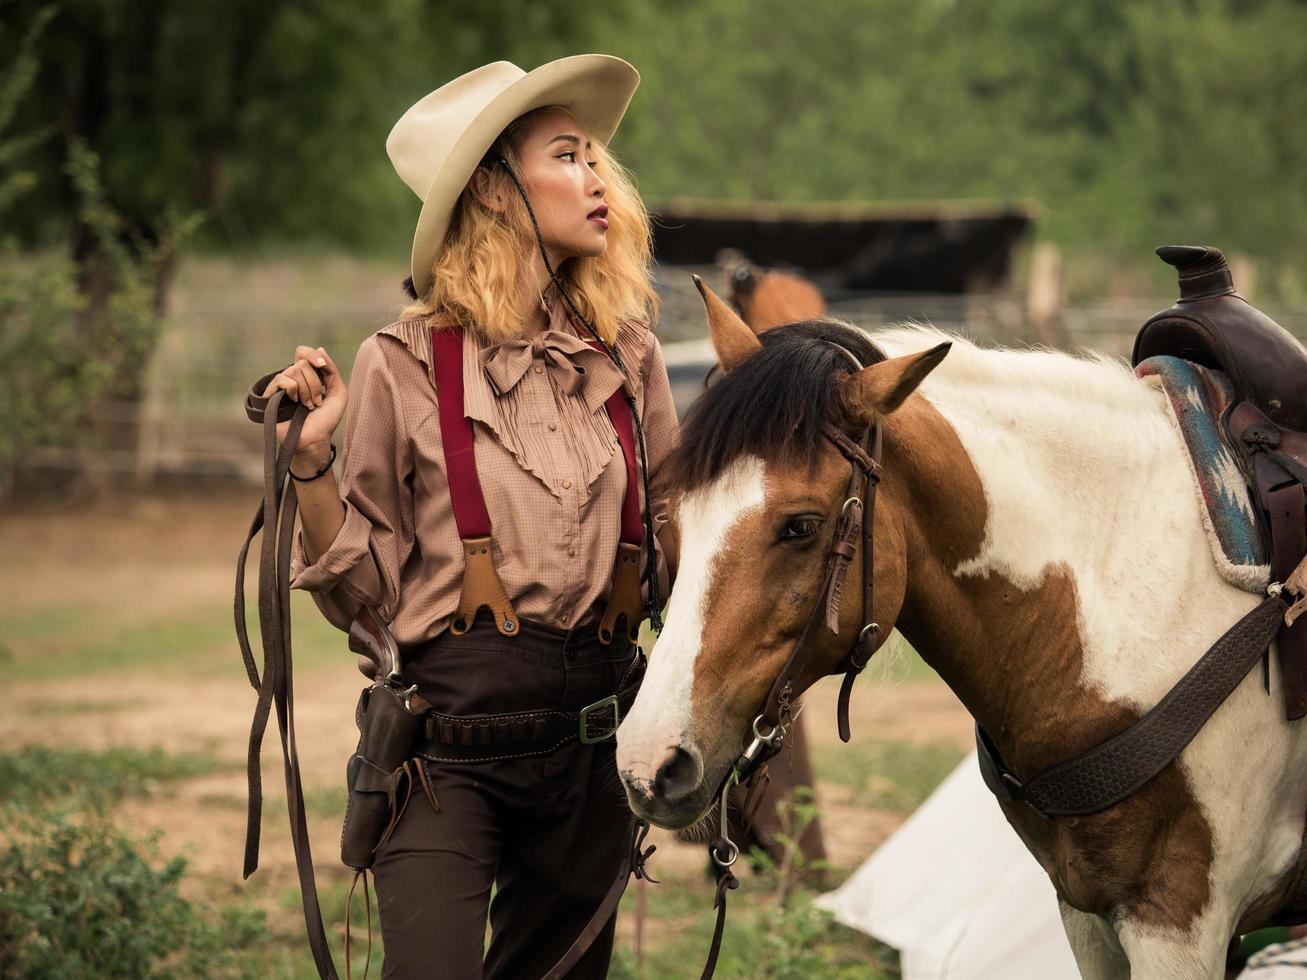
276, 520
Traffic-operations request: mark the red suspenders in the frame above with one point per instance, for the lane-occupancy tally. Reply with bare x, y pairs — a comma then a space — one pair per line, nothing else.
481, 583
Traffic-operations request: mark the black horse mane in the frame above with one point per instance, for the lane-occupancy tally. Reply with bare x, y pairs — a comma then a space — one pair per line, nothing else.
772, 405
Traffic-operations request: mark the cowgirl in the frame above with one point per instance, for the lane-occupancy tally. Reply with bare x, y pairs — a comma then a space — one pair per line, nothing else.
530, 272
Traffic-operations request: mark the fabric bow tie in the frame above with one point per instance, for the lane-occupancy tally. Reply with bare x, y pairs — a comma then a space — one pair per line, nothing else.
573, 365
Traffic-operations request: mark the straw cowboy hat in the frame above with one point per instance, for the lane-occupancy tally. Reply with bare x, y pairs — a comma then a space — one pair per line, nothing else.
436, 146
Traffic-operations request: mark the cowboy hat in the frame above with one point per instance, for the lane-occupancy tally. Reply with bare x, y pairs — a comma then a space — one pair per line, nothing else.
438, 143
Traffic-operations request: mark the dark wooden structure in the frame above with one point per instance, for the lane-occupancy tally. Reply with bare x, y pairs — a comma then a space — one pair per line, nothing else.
852, 247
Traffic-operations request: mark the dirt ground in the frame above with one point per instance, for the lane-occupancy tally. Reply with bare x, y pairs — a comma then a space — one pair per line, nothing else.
112, 566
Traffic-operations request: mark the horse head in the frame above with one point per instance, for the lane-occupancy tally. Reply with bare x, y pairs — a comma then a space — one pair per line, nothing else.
770, 298
758, 490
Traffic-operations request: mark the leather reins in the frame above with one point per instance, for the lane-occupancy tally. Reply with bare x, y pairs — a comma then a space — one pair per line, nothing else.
276, 519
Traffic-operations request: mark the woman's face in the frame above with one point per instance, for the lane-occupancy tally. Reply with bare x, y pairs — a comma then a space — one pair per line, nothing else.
556, 167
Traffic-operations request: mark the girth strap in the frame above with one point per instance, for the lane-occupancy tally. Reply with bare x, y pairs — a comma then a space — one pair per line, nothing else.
1110, 772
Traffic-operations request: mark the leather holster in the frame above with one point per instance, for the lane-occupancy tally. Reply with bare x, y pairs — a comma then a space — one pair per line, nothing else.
387, 732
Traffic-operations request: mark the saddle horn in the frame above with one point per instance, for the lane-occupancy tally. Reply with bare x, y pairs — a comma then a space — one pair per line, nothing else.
1202, 269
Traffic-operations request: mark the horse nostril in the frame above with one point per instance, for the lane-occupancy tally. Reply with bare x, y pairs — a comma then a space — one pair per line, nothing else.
679, 775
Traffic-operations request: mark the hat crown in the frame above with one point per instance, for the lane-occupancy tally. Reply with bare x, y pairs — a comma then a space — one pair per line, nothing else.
424, 136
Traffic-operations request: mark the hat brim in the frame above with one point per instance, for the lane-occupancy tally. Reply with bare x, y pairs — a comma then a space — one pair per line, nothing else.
594, 88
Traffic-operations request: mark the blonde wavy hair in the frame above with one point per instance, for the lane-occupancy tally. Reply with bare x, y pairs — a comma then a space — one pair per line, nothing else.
478, 274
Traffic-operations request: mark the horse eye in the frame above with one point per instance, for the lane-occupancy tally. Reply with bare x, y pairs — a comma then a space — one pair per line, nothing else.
800, 527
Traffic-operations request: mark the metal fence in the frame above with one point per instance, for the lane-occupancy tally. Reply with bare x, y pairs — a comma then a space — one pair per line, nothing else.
191, 424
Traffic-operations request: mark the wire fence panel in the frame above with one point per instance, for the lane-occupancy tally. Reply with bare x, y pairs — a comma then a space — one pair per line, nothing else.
191, 423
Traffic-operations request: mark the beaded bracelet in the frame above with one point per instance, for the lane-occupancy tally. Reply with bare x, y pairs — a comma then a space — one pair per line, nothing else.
325, 466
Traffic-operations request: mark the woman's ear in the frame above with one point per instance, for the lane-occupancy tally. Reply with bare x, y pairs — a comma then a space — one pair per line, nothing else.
484, 192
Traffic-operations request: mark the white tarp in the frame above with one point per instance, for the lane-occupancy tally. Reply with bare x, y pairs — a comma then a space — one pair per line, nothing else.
957, 893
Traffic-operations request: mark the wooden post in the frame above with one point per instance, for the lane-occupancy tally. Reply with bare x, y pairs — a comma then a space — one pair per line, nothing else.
1046, 292
1244, 273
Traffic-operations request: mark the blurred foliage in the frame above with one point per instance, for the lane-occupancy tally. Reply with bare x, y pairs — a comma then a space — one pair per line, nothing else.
1131, 123
62, 351
81, 898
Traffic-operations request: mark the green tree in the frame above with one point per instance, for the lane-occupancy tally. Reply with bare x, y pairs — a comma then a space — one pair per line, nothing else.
53, 374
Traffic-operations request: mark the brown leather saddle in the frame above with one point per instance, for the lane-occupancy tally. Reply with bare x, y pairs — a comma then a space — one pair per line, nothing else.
1266, 422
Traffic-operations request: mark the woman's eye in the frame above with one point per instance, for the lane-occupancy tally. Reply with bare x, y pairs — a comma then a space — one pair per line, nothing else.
568, 154
592, 164
800, 527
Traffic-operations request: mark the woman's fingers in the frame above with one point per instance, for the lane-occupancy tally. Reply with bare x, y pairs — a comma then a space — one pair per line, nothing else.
327, 368
310, 383
310, 379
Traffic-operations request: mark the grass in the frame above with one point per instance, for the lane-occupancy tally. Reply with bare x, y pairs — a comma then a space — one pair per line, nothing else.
38, 773
761, 941
203, 642
894, 776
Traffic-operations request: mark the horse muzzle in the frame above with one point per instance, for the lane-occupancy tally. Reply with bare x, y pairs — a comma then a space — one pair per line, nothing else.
669, 791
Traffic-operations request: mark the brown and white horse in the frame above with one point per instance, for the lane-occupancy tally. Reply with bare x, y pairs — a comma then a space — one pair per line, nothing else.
1038, 541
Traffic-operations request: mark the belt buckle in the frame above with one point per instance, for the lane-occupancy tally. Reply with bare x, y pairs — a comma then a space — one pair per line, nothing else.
583, 720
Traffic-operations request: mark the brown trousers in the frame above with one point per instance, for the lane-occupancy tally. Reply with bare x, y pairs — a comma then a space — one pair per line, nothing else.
547, 831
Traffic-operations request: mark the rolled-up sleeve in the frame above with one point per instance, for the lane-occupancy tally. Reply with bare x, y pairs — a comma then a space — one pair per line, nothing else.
362, 565
661, 433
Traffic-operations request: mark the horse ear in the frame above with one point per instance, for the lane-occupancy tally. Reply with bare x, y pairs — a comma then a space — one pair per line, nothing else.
881, 388
731, 337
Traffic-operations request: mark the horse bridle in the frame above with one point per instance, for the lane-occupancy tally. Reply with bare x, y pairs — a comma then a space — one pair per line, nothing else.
857, 513
772, 724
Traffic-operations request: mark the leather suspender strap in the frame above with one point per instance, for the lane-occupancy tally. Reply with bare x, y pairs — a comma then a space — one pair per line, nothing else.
456, 435
619, 413
1110, 772
276, 520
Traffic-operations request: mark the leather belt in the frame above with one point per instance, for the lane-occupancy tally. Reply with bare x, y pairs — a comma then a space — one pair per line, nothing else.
518, 734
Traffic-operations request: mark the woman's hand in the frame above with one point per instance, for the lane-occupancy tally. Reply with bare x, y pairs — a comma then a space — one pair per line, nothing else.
313, 380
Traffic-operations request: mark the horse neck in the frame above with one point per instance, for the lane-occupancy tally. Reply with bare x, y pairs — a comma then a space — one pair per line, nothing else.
1045, 536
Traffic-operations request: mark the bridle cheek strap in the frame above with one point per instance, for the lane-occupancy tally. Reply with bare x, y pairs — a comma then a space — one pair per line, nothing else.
856, 514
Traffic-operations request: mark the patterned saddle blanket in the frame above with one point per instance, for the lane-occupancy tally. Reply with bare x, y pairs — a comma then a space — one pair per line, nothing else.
1198, 396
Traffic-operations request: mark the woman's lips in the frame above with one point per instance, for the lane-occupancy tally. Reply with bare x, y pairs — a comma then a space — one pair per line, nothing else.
599, 216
